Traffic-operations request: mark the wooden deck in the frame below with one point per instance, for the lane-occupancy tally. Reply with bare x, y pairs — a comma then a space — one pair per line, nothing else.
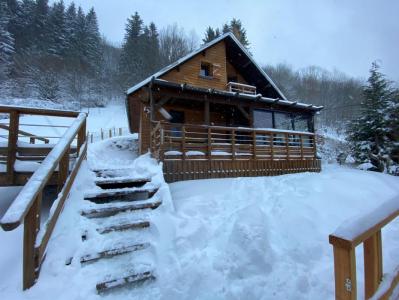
200, 152
17, 145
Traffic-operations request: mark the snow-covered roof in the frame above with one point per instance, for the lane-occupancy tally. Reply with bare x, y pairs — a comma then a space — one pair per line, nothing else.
250, 97
199, 50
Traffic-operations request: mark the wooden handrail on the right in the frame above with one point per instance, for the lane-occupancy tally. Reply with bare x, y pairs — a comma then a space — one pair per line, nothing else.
366, 230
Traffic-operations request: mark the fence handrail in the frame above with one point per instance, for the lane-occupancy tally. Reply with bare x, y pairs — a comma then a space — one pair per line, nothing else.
25, 199
366, 230
38, 111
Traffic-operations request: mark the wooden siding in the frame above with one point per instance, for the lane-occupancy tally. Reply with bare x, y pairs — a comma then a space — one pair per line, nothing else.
177, 170
145, 130
232, 72
189, 71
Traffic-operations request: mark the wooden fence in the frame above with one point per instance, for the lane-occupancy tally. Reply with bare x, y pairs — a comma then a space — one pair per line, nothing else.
107, 133
199, 151
366, 231
26, 208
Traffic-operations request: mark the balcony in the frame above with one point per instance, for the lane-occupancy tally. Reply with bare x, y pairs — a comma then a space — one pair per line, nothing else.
241, 88
200, 151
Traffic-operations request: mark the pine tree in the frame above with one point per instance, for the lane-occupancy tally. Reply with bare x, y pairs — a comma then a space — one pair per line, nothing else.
369, 134
131, 62
235, 27
57, 30
41, 31
93, 43
210, 34
6, 42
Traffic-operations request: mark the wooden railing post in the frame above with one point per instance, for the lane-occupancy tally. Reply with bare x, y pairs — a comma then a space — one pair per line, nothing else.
233, 144
345, 273
209, 147
183, 142
12, 146
287, 145
82, 136
254, 144
272, 146
63, 170
372, 263
301, 137
30, 257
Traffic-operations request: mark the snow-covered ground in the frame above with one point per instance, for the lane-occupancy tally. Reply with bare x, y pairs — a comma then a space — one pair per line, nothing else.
239, 238
242, 238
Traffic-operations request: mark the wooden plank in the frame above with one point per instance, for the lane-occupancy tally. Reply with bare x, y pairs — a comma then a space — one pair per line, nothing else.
372, 263
38, 111
31, 228
12, 145
27, 134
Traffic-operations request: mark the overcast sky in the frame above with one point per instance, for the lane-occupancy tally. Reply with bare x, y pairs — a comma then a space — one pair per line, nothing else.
343, 34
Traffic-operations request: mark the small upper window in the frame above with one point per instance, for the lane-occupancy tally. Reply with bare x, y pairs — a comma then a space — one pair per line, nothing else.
206, 69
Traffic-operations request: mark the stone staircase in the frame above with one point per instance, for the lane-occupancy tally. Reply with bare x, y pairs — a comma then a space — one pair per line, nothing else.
118, 225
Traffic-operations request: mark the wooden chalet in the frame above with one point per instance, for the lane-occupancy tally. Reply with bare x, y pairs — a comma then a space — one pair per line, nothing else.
215, 113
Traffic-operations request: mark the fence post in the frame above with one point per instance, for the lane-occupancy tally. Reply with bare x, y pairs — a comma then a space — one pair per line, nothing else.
12, 146
372, 263
301, 137
287, 145
31, 228
120, 131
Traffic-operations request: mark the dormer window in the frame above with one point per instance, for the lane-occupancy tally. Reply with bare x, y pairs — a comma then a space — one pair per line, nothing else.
206, 69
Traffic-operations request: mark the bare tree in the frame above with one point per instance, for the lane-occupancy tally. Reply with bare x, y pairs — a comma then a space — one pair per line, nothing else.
175, 43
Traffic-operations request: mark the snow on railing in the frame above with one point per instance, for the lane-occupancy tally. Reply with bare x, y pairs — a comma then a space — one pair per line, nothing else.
367, 230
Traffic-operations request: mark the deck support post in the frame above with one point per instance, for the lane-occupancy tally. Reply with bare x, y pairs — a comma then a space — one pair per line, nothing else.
30, 257
12, 146
82, 136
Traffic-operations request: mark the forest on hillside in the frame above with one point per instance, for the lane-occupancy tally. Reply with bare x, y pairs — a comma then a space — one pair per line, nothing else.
57, 53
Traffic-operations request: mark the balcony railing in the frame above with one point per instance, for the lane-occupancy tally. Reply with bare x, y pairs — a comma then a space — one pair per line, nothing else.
200, 142
241, 88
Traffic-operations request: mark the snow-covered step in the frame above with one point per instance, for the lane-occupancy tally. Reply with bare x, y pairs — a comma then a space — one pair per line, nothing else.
117, 228
113, 210
122, 182
123, 227
125, 280
113, 172
112, 252
118, 196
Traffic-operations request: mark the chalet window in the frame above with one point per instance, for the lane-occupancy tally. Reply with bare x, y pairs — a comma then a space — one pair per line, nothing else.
177, 118
283, 121
206, 69
263, 119
303, 123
